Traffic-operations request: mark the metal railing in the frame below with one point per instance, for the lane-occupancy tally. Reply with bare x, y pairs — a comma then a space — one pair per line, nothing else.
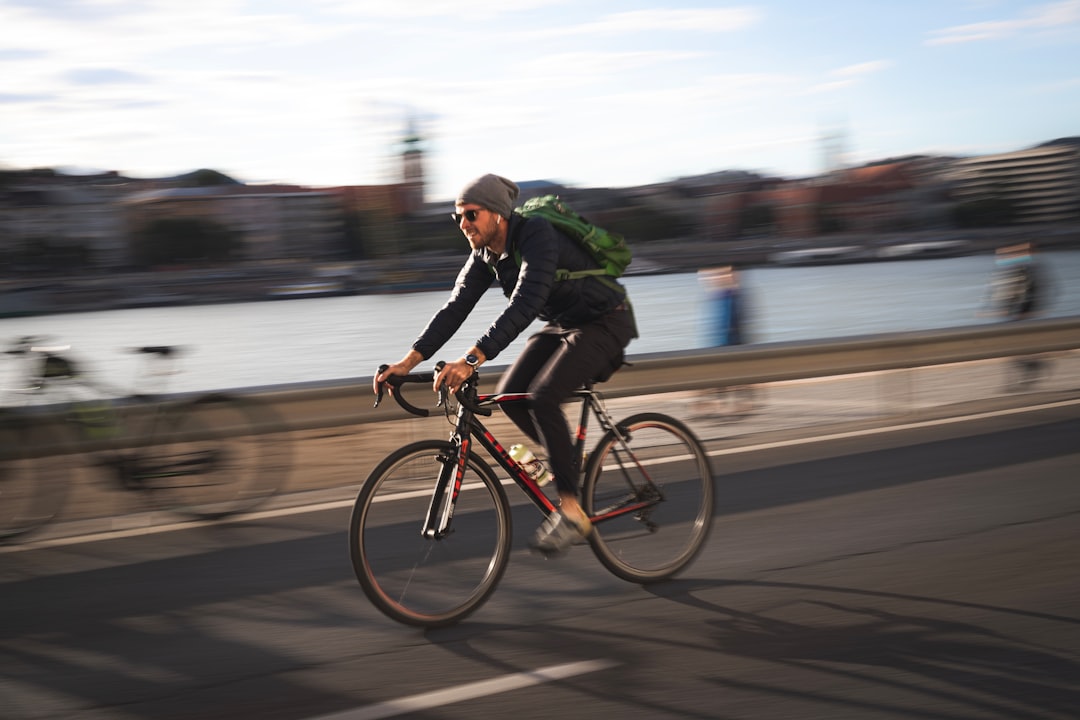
349, 401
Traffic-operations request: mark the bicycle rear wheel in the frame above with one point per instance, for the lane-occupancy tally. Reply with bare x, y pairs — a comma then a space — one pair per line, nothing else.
35, 471
425, 581
212, 457
664, 472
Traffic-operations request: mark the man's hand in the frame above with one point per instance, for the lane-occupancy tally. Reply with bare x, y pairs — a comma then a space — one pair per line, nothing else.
380, 378
401, 367
454, 374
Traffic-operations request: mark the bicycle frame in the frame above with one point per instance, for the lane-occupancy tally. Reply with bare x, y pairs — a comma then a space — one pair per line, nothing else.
468, 427
95, 410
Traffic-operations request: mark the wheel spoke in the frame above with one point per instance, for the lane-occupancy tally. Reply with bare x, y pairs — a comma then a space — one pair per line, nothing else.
419, 579
665, 471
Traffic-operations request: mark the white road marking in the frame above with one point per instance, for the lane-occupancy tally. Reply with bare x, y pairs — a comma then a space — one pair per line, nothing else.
460, 693
894, 428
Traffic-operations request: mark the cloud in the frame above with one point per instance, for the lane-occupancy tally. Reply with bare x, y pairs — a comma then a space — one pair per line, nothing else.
696, 20
862, 69
17, 98
847, 76
580, 68
827, 87
66, 9
1045, 17
20, 54
1059, 86
102, 76
414, 9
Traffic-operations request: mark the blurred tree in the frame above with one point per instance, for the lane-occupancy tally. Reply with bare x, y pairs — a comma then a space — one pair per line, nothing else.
32, 255
985, 212
644, 223
185, 240
353, 236
829, 220
434, 235
378, 233
756, 219
205, 178
40, 255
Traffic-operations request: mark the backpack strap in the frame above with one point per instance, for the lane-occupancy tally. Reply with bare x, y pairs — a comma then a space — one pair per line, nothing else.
511, 243
562, 274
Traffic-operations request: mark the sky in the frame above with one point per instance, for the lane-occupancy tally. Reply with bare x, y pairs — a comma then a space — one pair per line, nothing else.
589, 93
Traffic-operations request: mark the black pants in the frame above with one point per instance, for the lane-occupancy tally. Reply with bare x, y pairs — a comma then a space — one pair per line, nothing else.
555, 362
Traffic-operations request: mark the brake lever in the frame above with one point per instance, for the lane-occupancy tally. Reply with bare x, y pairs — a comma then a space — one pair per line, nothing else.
381, 386
443, 393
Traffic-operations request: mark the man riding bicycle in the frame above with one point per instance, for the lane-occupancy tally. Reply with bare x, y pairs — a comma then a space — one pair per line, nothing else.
589, 323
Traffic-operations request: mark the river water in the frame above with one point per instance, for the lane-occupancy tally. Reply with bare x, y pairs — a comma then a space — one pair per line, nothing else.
292, 341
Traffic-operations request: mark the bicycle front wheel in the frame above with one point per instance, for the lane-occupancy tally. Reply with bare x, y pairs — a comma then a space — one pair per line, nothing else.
212, 457
651, 496
416, 579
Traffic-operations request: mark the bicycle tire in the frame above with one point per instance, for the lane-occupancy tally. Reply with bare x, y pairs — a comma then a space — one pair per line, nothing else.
423, 581
657, 542
212, 457
35, 470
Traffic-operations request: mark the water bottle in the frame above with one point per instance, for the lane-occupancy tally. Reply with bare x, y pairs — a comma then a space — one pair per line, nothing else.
532, 465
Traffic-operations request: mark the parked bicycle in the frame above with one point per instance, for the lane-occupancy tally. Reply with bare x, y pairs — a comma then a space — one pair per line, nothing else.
207, 456
430, 534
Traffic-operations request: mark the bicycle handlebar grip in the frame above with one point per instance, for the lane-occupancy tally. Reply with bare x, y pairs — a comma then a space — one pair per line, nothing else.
379, 386
442, 391
395, 382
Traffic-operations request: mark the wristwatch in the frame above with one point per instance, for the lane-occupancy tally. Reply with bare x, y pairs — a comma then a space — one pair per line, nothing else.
471, 360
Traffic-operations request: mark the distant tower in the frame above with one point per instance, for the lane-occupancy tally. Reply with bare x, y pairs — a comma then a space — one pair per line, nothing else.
412, 168
834, 150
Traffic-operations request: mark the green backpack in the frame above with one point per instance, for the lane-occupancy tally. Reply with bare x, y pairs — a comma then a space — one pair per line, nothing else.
607, 248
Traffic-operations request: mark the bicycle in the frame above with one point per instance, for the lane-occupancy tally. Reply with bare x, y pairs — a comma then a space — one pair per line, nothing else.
205, 456
430, 533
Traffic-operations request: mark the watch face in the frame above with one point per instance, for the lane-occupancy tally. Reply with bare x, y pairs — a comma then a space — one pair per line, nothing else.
472, 360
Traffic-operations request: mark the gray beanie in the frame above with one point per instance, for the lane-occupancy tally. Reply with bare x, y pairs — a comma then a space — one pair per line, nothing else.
491, 191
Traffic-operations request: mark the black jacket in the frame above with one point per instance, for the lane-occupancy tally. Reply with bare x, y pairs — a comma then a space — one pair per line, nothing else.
531, 288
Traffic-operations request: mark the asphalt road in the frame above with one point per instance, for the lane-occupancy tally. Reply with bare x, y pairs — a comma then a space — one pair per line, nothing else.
927, 572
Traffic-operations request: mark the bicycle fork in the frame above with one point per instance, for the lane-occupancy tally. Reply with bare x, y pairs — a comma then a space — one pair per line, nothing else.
451, 474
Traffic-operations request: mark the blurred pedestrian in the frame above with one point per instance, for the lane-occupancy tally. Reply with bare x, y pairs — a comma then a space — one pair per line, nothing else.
1017, 292
725, 325
723, 306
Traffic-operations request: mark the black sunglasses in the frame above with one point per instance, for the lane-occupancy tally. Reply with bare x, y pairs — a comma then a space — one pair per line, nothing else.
469, 215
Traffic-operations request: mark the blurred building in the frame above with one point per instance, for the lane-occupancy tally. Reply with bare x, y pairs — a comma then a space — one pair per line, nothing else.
93, 222
273, 222
865, 200
1041, 183
45, 215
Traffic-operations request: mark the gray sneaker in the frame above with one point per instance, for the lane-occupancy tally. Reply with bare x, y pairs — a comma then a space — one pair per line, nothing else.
557, 533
